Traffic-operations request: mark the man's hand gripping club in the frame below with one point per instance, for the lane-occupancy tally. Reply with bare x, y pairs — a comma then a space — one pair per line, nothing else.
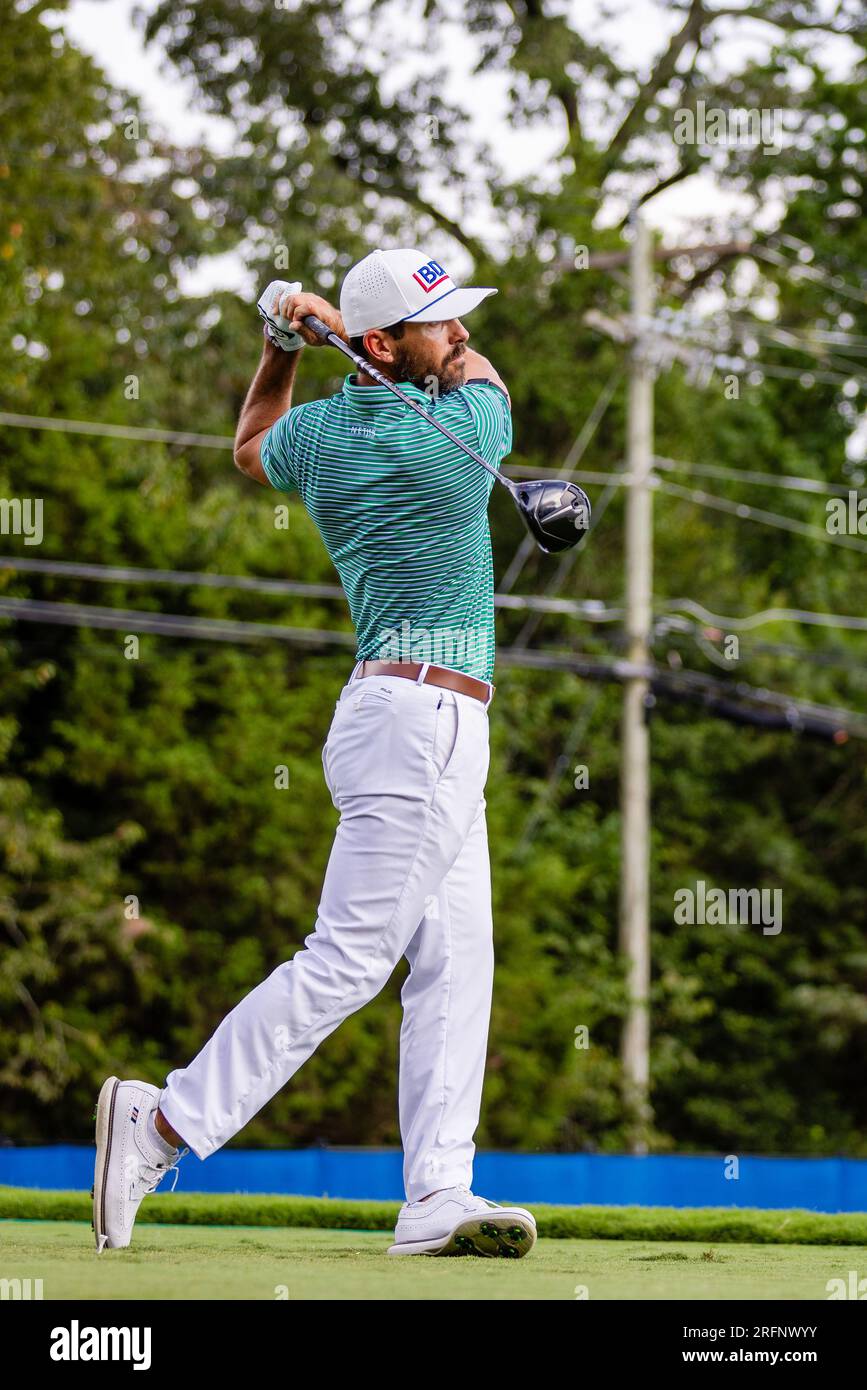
284, 307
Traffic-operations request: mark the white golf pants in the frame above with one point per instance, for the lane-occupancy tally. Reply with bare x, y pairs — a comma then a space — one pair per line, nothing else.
408, 874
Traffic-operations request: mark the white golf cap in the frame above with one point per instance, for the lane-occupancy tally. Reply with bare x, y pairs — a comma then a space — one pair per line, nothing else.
389, 287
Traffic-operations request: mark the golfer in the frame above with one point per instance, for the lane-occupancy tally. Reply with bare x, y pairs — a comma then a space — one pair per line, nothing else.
403, 516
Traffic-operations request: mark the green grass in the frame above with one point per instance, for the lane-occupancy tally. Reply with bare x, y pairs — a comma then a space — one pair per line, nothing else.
700, 1224
247, 1246
218, 1262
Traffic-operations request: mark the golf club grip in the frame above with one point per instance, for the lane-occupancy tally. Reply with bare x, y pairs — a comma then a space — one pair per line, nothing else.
319, 328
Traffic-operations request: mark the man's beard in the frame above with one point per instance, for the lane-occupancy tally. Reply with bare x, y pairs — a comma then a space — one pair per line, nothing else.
410, 367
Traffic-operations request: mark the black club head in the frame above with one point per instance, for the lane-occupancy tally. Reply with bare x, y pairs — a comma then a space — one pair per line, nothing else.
557, 514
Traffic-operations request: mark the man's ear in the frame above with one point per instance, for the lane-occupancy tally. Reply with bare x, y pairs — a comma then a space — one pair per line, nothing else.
378, 347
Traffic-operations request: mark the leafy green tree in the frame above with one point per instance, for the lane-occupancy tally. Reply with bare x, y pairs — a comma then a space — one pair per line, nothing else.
152, 781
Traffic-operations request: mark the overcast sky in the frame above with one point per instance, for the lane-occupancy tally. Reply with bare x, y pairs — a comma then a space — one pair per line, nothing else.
105, 29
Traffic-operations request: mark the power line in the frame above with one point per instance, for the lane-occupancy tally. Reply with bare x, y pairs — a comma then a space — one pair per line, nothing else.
805, 271
816, 337
672, 344
590, 610
794, 243
748, 475
165, 624
777, 336
698, 683
213, 441
703, 635
683, 684
732, 330
841, 621
756, 514
593, 610
111, 431
225, 630
791, 482
687, 331
790, 720
839, 337
820, 656
125, 574
742, 364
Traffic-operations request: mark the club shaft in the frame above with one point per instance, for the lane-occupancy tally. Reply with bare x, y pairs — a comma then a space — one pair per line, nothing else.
324, 332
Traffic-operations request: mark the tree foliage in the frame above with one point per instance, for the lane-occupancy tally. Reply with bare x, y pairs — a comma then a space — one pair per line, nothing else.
153, 779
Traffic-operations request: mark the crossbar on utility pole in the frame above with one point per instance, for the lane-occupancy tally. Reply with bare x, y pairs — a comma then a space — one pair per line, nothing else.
635, 754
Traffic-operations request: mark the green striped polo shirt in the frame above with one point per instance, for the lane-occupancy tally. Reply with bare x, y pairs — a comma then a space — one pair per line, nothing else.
403, 514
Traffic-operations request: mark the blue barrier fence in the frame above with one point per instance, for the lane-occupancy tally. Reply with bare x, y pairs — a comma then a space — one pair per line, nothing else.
817, 1184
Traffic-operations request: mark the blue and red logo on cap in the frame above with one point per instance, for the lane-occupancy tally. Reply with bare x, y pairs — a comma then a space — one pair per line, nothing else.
430, 275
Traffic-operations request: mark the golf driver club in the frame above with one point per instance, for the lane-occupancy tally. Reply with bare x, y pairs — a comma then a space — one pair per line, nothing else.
556, 513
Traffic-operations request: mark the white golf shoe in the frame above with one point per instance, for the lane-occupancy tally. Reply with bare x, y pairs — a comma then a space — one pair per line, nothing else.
129, 1164
456, 1222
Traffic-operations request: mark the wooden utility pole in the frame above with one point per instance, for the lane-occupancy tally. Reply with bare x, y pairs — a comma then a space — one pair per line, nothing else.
634, 935
635, 752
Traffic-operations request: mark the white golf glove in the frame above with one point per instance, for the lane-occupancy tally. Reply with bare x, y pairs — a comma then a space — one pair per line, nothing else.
277, 327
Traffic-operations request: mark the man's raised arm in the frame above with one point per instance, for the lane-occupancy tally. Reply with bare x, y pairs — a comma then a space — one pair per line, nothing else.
478, 368
270, 393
